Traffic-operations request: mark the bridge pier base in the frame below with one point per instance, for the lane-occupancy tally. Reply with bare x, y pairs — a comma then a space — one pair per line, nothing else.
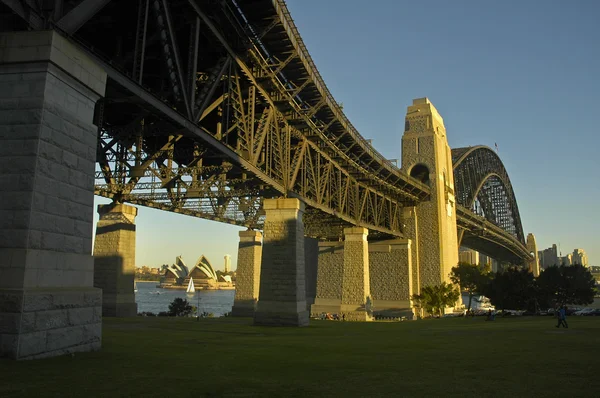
282, 296
390, 273
247, 274
114, 259
48, 90
356, 297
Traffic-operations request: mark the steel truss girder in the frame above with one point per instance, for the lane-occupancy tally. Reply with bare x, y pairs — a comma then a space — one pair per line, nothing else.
315, 158
480, 175
486, 237
402, 184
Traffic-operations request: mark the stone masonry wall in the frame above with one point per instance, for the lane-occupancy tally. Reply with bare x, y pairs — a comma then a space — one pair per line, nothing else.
282, 299
114, 259
48, 91
390, 271
311, 259
330, 271
248, 273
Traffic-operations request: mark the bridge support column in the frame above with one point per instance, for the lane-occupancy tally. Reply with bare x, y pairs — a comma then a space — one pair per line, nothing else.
329, 278
48, 90
426, 156
356, 292
534, 262
248, 274
282, 298
390, 273
114, 259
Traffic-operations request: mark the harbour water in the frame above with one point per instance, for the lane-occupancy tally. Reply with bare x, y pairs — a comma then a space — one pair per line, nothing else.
149, 298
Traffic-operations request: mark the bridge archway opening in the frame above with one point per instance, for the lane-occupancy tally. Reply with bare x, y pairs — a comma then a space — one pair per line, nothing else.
420, 172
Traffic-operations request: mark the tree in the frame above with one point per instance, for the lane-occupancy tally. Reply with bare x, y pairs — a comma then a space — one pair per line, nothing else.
566, 285
435, 298
511, 289
180, 307
471, 278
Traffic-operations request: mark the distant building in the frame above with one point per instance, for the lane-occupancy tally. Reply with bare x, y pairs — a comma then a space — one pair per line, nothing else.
468, 256
548, 257
178, 275
579, 257
227, 267
565, 261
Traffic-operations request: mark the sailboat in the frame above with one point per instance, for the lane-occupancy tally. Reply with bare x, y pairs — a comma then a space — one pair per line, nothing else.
135, 287
190, 289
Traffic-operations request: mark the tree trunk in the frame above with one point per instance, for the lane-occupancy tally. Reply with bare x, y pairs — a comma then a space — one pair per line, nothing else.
470, 298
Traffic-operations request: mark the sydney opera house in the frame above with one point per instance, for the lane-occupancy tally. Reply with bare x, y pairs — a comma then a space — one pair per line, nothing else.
177, 276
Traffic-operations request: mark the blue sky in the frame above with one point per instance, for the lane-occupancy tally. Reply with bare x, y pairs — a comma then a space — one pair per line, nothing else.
522, 74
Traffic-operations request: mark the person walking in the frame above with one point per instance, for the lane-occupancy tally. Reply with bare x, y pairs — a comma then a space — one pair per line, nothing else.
562, 317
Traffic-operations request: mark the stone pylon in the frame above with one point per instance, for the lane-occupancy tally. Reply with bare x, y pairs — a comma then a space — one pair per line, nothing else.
356, 291
48, 92
282, 297
426, 156
534, 263
114, 259
247, 282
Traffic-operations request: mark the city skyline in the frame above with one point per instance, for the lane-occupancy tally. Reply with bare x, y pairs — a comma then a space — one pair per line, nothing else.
497, 77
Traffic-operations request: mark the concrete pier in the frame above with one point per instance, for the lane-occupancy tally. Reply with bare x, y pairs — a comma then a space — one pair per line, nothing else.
248, 274
282, 298
48, 91
356, 290
114, 259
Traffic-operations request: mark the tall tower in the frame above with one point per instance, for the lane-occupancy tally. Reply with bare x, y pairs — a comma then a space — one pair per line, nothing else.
426, 156
227, 263
534, 263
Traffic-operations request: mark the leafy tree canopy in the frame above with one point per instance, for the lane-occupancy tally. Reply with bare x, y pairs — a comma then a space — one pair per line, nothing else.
435, 298
573, 284
471, 278
180, 307
511, 289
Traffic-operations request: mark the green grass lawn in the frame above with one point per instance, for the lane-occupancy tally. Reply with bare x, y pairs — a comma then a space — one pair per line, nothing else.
169, 357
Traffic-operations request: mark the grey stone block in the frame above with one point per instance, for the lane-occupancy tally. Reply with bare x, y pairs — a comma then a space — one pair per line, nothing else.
92, 333
53, 319
13, 238
9, 344
28, 322
37, 302
69, 300
31, 344
81, 316
93, 298
9, 322
62, 338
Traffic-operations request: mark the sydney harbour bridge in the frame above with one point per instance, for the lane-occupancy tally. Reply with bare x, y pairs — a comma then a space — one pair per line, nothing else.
215, 109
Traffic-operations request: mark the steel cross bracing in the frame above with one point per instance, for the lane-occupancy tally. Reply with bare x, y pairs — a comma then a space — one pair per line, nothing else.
223, 139
212, 106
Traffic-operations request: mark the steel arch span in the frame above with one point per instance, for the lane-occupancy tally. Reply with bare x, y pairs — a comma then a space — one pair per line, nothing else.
483, 186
